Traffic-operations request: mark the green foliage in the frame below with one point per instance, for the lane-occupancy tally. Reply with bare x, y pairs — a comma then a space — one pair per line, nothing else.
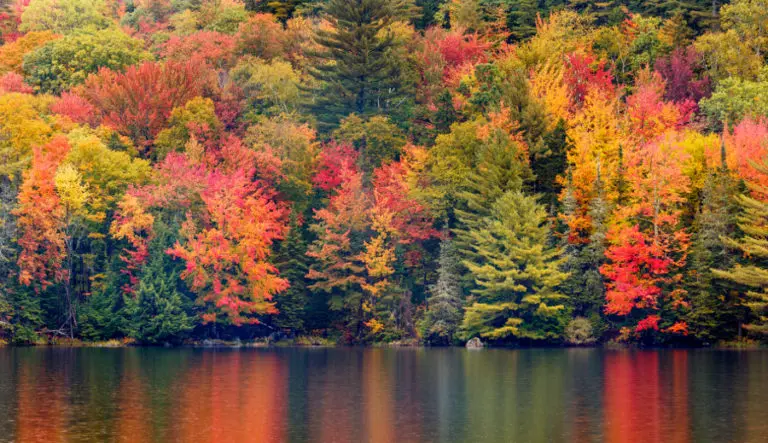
603, 12
183, 23
699, 15
752, 273
101, 317
521, 18
271, 87
158, 311
735, 99
549, 162
158, 314
21, 314
504, 87
499, 170
473, 165
355, 67
64, 16
196, 118
453, 158
282, 9
61, 64
647, 45
295, 145
376, 139
428, 10
443, 316
517, 274
228, 20
749, 19
463, 14
106, 172
726, 55
714, 309
12, 54
292, 261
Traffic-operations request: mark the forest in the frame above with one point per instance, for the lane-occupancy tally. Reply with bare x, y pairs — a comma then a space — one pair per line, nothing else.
527, 172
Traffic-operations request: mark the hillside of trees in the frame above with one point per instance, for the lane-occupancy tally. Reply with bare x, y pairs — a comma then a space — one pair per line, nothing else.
376, 171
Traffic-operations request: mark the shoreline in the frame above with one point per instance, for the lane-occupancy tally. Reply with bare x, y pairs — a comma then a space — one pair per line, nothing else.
227, 344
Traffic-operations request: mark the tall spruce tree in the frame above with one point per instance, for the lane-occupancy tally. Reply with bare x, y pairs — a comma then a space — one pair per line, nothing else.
713, 315
158, 313
291, 261
548, 162
499, 170
443, 316
505, 86
517, 275
428, 10
699, 15
356, 67
594, 254
752, 273
521, 19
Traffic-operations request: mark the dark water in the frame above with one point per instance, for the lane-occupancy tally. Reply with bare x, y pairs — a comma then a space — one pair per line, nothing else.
382, 395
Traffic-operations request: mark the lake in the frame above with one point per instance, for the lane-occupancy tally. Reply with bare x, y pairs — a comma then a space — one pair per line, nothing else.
382, 395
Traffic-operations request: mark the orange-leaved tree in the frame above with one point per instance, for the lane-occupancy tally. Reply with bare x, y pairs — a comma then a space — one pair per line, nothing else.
227, 246
648, 247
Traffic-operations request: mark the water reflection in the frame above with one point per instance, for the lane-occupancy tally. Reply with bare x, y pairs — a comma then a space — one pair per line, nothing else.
382, 395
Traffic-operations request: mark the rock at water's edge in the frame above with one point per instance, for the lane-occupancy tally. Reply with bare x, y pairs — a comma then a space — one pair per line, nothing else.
474, 343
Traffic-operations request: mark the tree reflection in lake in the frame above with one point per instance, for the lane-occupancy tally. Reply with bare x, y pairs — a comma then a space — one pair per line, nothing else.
382, 395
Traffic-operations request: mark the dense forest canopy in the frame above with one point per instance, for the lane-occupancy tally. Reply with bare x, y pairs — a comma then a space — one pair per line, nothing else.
364, 171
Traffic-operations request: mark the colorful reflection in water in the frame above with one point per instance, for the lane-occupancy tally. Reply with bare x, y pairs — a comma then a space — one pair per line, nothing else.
382, 395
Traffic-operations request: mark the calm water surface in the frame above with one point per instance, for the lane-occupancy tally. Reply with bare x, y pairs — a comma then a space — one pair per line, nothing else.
382, 395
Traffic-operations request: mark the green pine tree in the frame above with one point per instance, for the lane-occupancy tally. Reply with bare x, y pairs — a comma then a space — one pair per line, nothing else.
157, 311
521, 19
21, 316
499, 170
291, 261
699, 15
713, 313
752, 273
548, 161
602, 12
156, 308
505, 85
517, 275
594, 255
443, 316
356, 67
446, 114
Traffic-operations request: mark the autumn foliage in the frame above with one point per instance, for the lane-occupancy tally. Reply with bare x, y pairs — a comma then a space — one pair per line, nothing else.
371, 171
41, 219
227, 246
138, 102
